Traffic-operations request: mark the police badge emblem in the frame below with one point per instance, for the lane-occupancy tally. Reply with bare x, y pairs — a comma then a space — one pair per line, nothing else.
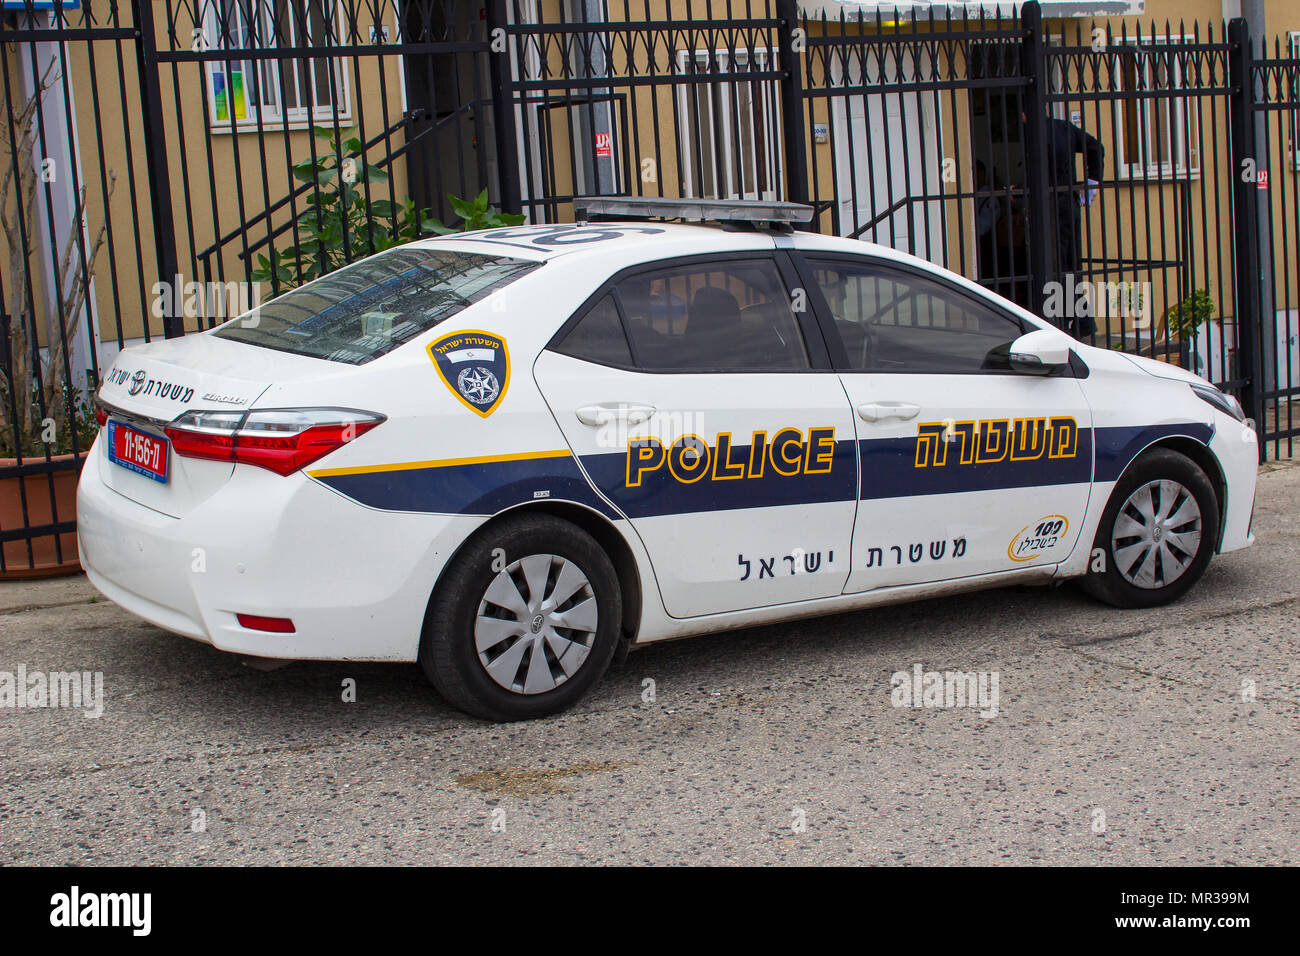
475, 365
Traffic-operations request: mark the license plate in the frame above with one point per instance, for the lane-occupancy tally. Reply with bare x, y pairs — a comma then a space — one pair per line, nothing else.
139, 451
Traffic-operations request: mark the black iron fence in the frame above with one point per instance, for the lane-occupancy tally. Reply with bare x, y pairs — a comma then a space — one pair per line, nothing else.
164, 165
1267, 232
1112, 176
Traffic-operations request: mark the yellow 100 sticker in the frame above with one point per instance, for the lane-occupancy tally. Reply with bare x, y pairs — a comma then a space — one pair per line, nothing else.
1033, 540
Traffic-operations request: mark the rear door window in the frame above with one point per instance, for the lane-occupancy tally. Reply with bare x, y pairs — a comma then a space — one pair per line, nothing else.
720, 315
367, 309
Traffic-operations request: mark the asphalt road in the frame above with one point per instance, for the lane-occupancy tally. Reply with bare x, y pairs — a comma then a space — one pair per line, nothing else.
1120, 737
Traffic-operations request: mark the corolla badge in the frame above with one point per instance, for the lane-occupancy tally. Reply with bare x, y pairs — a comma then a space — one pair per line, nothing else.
475, 365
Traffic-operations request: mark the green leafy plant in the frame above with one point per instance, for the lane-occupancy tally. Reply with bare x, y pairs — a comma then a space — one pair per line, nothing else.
339, 224
1185, 318
475, 214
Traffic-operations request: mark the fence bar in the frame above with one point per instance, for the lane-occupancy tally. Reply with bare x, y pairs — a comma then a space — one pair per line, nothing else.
503, 126
795, 137
1034, 65
155, 155
1245, 214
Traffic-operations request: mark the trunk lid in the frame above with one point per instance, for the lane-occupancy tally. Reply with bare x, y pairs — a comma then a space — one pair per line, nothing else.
149, 385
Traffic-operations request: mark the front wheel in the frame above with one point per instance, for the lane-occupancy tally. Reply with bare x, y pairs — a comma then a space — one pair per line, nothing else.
1157, 534
524, 621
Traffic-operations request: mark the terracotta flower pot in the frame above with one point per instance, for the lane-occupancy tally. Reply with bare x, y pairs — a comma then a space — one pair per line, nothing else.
45, 558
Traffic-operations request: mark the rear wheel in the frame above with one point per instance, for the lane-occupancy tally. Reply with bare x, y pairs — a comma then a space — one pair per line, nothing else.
1157, 534
524, 621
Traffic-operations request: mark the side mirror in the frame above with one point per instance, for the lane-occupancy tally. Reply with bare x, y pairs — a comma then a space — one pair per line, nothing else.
1040, 352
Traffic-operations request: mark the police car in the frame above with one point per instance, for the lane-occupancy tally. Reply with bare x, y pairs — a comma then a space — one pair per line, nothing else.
510, 454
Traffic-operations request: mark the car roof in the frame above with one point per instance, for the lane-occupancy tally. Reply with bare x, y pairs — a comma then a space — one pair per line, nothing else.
654, 239
550, 241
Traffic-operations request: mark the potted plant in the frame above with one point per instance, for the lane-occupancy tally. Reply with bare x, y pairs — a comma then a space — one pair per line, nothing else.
44, 416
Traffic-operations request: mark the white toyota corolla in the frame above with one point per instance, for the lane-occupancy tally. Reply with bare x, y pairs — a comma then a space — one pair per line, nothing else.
504, 453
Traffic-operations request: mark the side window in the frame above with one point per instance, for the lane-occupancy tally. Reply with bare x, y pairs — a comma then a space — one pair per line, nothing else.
714, 315
894, 321
598, 337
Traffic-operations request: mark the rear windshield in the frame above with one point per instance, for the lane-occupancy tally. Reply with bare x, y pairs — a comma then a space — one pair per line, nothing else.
368, 309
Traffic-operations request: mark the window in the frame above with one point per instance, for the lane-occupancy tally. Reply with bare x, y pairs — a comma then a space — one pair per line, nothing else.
894, 321
599, 337
1293, 41
367, 309
1156, 133
730, 130
715, 315
294, 89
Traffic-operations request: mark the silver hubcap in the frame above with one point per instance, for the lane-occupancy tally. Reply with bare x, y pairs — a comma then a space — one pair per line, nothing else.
1157, 534
536, 624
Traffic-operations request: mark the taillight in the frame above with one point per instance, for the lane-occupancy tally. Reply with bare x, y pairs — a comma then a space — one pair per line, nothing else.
258, 622
205, 434
279, 439
101, 416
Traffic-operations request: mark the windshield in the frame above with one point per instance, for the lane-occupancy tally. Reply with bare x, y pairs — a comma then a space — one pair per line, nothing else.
368, 309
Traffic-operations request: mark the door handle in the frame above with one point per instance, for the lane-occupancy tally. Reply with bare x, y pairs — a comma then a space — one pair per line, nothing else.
879, 411
606, 413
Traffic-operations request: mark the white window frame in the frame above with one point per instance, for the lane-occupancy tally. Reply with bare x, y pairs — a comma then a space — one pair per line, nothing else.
1184, 136
1293, 45
271, 113
769, 159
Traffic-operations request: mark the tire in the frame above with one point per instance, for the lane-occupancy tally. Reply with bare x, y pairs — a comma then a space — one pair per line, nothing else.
1149, 562
514, 660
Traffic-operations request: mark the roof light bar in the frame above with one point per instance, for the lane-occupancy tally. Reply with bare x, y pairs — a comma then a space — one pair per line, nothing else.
691, 210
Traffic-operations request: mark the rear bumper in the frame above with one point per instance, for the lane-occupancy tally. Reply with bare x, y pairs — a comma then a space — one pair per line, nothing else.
355, 581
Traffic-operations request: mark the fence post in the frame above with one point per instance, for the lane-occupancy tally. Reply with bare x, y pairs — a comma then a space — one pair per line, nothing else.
1245, 210
794, 135
1033, 66
155, 157
503, 106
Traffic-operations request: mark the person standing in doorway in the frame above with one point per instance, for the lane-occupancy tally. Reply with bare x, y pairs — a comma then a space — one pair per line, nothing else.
1065, 141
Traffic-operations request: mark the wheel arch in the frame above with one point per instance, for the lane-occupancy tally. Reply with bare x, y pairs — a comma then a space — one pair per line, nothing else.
596, 525
1204, 459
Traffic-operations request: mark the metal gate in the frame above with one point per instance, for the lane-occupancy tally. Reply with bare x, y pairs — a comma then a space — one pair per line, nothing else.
610, 103
301, 136
76, 247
